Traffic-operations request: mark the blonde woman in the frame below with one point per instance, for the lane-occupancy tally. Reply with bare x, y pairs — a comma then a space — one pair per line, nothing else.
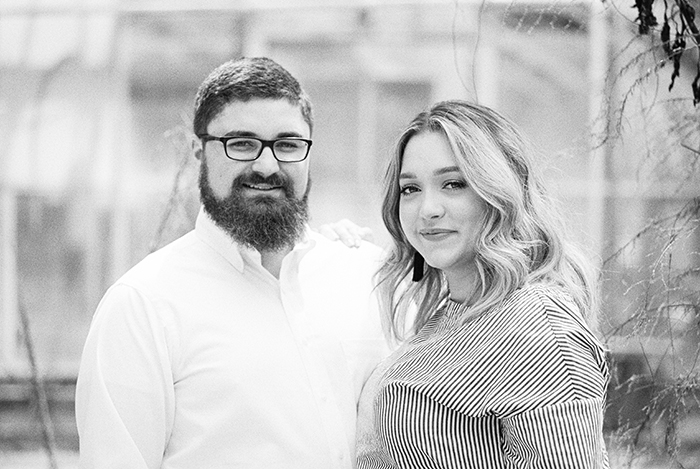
499, 366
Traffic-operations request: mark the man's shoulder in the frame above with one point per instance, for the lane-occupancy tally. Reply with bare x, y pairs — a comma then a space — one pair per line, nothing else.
365, 252
365, 249
165, 260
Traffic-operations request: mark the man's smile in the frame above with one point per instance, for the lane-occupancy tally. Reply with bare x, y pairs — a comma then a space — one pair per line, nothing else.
273, 186
263, 187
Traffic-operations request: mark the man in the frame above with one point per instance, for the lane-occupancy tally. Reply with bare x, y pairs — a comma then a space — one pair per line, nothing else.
245, 343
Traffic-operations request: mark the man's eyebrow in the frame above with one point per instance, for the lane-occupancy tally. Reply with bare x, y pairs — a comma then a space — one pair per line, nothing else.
289, 134
240, 133
247, 133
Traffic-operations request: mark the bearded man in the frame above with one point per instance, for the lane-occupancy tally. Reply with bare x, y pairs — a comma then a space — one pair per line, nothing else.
245, 343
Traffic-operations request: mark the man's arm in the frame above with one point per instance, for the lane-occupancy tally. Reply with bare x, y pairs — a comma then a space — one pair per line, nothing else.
125, 394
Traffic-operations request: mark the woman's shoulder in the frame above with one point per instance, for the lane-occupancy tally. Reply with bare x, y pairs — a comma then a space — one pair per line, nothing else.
548, 308
551, 310
542, 299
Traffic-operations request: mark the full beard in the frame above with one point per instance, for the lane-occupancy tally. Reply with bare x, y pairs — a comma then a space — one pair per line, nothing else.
262, 223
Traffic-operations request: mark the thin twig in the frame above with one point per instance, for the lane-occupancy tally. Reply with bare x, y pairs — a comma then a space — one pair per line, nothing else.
38, 385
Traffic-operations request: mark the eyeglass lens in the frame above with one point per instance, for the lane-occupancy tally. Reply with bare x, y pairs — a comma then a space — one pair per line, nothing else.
242, 148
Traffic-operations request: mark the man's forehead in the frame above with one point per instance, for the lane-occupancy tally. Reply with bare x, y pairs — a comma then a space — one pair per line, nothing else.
260, 115
262, 102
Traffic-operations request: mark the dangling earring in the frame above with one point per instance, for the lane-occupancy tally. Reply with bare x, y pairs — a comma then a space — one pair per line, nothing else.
418, 263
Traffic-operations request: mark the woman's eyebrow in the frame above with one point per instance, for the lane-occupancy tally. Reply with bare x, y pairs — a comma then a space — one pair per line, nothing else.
447, 169
437, 172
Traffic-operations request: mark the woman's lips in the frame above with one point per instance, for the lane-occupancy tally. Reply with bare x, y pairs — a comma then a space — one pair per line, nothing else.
436, 234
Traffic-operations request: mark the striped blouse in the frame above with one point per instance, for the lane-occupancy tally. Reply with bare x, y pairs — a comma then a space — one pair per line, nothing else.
521, 386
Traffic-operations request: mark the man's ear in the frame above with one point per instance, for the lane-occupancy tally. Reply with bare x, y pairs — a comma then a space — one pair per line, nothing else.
197, 148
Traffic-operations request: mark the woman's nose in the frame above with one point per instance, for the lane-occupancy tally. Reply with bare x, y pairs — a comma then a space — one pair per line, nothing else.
431, 206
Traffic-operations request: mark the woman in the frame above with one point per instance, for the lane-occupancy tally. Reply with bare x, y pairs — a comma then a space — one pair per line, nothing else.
501, 368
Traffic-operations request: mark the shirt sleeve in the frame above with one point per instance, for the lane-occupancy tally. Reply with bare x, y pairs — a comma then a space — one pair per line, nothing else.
124, 393
561, 436
555, 391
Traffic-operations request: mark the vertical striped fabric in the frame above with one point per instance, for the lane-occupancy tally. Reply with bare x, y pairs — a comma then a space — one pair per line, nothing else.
521, 386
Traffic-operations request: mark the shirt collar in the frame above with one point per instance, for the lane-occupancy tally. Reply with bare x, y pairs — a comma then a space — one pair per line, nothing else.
218, 239
236, 254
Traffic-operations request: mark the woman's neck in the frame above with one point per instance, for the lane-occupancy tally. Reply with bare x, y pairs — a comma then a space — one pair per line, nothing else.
462, 285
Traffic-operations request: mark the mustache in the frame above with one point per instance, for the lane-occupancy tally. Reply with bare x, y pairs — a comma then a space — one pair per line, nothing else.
276, 179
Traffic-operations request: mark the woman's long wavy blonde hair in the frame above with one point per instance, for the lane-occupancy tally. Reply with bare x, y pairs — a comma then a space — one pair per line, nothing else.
521, 241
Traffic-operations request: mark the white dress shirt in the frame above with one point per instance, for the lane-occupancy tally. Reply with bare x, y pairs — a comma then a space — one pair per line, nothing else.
198, 357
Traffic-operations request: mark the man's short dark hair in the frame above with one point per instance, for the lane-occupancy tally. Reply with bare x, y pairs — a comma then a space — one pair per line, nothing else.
244, 79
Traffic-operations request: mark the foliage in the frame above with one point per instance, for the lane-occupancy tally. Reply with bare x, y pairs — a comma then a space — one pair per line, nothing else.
679, 16
651, 280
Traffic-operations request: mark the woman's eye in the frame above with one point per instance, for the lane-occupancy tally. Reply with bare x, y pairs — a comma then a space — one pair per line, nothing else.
455, 184
407, 190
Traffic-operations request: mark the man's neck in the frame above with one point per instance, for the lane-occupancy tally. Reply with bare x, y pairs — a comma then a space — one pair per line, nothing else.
272, 260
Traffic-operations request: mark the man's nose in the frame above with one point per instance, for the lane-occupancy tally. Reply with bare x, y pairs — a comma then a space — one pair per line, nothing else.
266, 164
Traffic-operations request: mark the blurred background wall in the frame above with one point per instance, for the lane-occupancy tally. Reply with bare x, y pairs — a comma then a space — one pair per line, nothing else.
95, 168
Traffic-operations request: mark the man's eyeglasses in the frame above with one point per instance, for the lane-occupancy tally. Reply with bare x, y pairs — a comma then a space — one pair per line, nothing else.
285, 150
